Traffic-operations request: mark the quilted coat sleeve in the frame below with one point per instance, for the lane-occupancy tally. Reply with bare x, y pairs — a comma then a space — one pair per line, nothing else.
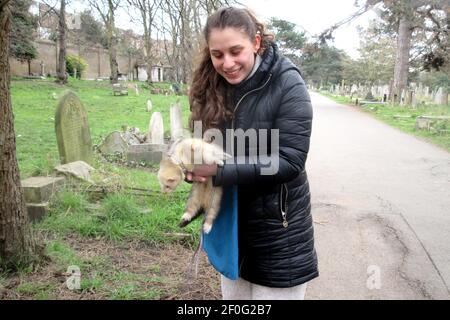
293, 119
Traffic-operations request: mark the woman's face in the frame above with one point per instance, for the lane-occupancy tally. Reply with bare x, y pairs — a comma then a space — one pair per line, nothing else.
233, 53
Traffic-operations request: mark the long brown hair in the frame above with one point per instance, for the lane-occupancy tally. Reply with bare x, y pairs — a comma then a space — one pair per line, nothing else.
208, 96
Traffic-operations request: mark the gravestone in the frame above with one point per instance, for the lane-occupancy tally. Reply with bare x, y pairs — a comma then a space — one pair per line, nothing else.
403, 97
42, 64
414, 100
72, 130
40, 189
408, 97
147, 153
437, 96
176, 122
113, 143
78, 169
156, 129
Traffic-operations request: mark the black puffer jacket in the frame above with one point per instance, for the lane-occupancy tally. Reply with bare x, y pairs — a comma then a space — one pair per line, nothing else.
274, 252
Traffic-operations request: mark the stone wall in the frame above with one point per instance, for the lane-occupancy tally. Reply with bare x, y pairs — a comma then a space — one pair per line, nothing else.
97, 59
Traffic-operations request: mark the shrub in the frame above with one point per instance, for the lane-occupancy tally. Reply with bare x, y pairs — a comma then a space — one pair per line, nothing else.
75, 62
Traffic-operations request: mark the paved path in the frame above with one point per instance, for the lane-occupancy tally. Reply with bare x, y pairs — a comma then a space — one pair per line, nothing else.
381, 206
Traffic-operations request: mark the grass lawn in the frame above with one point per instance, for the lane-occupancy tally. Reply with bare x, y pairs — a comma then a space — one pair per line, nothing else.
387, 112
126, 241
34, 110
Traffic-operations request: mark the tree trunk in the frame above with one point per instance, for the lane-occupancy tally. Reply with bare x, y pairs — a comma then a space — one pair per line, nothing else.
402, 60
16, 242
113, 60
112, 44
62, 75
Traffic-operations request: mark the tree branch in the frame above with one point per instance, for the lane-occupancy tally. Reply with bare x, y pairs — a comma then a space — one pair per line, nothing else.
3, 3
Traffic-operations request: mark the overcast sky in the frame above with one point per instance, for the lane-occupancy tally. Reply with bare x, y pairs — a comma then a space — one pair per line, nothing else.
315, 16
312, 15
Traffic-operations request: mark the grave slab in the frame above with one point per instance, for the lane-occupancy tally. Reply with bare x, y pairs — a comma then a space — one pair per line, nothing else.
40, 189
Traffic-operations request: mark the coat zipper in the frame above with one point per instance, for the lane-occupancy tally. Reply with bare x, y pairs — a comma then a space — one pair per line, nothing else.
283, 204
245, 95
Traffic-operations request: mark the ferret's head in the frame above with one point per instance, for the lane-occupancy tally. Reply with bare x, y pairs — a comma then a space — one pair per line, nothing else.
170, 175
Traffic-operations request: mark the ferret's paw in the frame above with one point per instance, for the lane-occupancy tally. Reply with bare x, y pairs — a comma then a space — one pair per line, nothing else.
207, 228
185, 219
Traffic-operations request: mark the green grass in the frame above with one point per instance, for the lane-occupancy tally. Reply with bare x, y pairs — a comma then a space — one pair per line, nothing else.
37, 290
132, 209
386, 113
34, 112
121, 216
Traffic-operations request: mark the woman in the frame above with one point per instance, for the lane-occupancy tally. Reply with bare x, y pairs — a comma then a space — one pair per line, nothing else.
243, 82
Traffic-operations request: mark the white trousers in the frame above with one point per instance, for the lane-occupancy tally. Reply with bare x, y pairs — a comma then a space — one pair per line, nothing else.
243, 290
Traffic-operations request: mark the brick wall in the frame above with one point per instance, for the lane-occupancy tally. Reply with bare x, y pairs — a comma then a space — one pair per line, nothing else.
97, 59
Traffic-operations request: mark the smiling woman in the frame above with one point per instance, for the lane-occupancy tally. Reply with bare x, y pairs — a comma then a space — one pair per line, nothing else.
243, 84
232, 53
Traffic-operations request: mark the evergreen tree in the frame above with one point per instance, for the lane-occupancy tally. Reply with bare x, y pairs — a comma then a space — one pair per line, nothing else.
23, 26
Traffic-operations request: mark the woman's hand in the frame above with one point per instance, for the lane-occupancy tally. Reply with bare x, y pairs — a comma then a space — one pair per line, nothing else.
202, 172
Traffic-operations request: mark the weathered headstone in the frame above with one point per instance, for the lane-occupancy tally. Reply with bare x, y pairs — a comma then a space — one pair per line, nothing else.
40, 189
78, 169
146, 153
437, 96
441, 97
423, 123
42, 64
414, 100
156, 129
136, 89
72, 130
113, 143
408, 97
403, 97
176, 122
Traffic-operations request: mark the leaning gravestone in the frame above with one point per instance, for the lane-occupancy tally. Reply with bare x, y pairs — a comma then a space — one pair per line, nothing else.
156, 129
113, 143
176, 122
72, 130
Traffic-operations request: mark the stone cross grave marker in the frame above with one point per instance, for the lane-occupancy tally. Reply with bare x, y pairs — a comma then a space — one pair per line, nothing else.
72, 130
176, 122
156, 129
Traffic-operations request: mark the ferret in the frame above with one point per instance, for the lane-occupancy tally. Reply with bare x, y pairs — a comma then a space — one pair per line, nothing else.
181, 158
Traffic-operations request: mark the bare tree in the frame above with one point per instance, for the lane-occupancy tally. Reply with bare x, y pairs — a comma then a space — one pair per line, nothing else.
405, 16
62, 37
17, 246
183, 24
62, 29
148, 10
107, 10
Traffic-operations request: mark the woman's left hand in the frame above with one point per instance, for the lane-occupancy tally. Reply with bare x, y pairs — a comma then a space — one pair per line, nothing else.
205, 170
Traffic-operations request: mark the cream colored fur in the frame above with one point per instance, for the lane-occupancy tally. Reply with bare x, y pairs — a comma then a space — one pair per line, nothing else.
182, 156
